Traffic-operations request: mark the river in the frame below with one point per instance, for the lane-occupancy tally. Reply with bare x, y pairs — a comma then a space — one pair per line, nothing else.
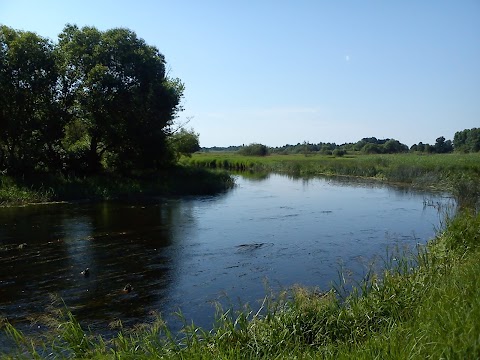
271, 231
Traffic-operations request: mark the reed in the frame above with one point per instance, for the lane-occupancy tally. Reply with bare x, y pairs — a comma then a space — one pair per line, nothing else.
438, 171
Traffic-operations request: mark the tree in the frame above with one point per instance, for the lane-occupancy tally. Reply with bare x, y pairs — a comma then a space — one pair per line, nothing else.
442, 146
429, 148
184, 142
116, 85
467, 140
254, 149
338, 152
393, 146
30, 119
370, 148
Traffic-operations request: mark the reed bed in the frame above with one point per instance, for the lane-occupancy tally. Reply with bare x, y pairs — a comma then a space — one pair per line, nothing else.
423, 170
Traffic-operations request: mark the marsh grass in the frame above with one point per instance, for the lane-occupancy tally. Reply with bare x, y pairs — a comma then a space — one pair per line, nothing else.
180, 180
428, 171
424, 305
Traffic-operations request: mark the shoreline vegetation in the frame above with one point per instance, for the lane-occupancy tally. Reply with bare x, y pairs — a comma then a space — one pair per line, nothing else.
409, 168
424, 305
456, 173
175, 181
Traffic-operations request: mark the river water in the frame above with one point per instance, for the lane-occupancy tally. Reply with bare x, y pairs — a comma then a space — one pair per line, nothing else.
188, 253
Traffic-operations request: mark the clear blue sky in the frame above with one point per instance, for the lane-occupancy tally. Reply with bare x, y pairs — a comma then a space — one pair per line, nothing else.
280, 72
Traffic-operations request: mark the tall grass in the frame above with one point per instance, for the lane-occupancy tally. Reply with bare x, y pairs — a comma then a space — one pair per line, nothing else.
425, 305
12, 191
180, 180
438, 170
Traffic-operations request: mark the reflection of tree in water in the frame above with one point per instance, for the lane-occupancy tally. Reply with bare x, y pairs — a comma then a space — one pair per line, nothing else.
120, 243
33, 257
128, 244
253, 175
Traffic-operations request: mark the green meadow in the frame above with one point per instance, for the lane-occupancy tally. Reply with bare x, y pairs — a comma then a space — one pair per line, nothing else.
390, 167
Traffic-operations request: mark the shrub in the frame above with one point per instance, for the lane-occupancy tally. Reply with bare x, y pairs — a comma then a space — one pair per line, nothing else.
254, 150
338, 152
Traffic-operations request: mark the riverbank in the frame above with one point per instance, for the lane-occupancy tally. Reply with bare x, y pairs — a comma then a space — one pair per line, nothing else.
176, 181
458, 174
424, 305
416, 169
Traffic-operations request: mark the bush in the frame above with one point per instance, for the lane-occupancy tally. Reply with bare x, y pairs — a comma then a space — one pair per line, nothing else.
254, 150
338, 152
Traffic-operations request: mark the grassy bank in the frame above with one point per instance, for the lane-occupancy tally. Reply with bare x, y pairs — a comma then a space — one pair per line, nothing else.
181, 180
425, 305
422, 170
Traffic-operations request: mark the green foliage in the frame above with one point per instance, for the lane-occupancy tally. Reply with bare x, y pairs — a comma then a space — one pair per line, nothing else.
121, 94
371, 149
254, 150
467, 140
31, 121
338, 152
463, 232
184, 143
438, 171
442, 146
178, 180
96, 98
393, 146
386, 146
17, 192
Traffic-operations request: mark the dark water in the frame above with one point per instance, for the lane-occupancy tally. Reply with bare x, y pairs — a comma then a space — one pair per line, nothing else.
186, 253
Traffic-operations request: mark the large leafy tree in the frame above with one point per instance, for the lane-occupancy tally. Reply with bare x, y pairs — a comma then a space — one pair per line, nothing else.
117, 90
30, 118
443, 146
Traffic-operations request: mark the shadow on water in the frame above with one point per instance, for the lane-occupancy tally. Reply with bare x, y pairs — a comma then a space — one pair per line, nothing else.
45, 249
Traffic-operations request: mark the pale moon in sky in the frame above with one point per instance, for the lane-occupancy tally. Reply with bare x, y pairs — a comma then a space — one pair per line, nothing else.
347, 58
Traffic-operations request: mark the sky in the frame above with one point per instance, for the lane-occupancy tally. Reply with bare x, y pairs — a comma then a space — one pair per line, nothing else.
284, 72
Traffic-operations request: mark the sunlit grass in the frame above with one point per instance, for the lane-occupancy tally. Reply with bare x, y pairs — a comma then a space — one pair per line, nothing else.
15, 192
451, 172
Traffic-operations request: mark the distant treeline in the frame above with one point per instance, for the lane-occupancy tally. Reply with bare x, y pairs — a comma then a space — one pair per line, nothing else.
464, 141
93, 101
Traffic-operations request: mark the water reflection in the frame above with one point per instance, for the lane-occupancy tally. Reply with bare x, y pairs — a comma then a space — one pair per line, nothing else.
120, 243
186, 253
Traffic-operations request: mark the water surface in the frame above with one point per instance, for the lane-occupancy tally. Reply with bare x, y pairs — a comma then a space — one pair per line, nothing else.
187, 253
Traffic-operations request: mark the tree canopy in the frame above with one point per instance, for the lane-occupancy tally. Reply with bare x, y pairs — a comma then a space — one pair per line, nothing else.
254, 149
94, 100
467, 140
